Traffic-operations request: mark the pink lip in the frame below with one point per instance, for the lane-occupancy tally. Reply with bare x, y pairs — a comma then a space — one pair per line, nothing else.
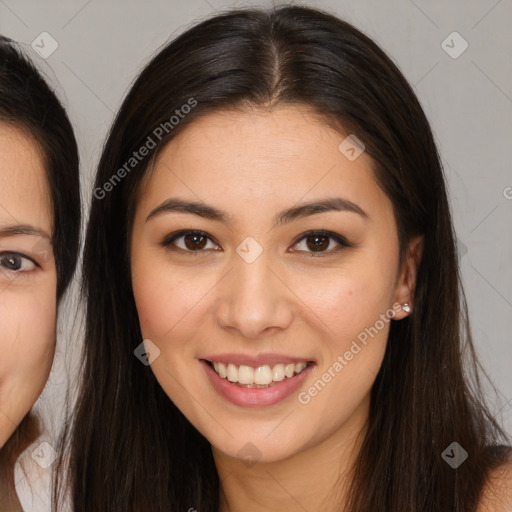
254, 361
255, 397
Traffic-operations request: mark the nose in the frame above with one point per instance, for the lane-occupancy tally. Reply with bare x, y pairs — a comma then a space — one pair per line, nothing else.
254, 299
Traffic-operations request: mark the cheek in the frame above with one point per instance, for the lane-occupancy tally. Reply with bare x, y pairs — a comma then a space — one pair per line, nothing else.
28, 328
169, 300
169, 310
353, 308
27, 342
342, 303
162, 301
354, 340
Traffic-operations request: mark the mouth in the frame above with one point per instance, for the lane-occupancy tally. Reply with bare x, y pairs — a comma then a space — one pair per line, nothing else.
256, 383
258, 377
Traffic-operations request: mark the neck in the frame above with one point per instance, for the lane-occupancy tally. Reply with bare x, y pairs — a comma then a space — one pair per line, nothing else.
314, 479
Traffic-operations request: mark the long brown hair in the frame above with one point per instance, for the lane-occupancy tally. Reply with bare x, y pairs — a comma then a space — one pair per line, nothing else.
130, 448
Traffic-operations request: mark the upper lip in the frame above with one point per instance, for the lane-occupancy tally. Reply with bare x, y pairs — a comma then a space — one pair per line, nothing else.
255, 360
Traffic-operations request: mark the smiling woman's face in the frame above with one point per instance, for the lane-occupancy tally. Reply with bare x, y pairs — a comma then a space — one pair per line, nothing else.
257, 291
28, 279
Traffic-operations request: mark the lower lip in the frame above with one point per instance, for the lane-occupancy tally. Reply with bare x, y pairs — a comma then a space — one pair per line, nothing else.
255, 397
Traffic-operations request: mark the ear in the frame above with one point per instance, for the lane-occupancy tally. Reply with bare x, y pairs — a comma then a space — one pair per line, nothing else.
406, 282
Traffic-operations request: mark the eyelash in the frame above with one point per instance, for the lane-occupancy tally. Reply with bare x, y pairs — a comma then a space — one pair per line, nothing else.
167, 242
6, 255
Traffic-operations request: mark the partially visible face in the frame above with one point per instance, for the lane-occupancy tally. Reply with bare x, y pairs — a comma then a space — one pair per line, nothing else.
28, 279
258, 299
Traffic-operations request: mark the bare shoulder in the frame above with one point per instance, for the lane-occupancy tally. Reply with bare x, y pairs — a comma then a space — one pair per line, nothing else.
497, 494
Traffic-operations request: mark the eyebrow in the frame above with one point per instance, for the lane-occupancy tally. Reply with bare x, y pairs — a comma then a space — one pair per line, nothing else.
303, 210
22, 229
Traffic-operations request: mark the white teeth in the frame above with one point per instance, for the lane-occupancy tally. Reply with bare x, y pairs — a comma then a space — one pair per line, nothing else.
262, 376
299, 367
232, 373
221, 370
278, 372
245, 375
289, 370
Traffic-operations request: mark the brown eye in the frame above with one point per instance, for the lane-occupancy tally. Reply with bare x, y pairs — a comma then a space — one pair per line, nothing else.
192, 241
195, 242
321, 242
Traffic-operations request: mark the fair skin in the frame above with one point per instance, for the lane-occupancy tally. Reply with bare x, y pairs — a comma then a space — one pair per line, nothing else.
28, 278
199, 298
254, 166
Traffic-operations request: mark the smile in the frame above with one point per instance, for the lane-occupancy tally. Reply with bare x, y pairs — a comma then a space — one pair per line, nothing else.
260, 377
257, 383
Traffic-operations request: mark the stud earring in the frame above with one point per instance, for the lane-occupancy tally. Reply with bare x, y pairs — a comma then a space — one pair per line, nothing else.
406, 307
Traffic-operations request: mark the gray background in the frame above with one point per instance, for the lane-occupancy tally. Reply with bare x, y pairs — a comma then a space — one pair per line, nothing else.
468, 100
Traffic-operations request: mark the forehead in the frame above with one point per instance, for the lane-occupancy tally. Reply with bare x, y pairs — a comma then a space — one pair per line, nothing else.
267, 139
229, 157
24, 191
